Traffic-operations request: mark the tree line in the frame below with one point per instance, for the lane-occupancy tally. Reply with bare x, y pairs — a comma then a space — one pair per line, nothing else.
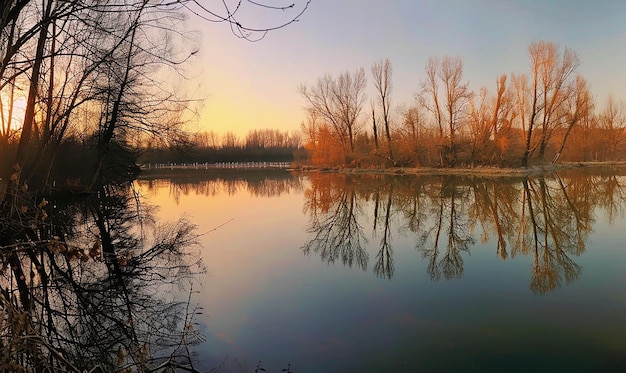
548, 114
263, 145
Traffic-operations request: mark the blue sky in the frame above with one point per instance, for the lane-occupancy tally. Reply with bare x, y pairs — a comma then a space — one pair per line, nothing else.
255, 85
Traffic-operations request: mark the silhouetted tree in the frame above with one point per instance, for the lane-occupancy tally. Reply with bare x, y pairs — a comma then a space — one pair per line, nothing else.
97, 72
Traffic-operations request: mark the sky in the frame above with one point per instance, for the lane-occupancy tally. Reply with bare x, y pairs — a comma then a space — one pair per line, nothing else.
254, 85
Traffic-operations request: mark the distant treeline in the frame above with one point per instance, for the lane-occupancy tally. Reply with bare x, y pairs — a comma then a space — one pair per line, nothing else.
263, 145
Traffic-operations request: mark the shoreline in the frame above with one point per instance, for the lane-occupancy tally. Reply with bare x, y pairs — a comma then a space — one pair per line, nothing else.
480, 171
485, 171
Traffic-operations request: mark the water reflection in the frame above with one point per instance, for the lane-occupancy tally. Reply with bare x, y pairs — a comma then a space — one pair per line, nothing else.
448, 226
210, 183
384, 258
334, 211
93, 285
548, 218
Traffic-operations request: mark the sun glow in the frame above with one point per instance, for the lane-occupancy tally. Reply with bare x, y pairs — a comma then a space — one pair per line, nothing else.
11, 113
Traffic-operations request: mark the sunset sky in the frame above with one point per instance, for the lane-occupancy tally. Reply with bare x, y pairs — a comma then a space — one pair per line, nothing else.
252, 85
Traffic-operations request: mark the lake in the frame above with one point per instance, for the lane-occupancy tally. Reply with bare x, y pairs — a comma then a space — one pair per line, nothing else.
328, 272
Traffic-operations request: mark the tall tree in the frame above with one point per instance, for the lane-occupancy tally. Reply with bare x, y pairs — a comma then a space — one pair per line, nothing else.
448, 104
489, 118
579, 106
382, 72
551, 72
29, 115
430, 99
339, 102
410, 134
374, 126
612, 120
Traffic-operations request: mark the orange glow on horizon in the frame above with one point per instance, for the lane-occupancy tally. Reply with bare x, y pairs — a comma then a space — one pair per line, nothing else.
221, 115
12, 113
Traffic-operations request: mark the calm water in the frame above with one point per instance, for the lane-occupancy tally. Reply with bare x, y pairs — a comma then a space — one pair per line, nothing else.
347, 273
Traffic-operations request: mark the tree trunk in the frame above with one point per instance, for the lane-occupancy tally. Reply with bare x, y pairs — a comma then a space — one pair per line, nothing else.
29, 115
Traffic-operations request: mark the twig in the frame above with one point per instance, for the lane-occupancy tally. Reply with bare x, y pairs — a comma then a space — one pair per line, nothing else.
216, 228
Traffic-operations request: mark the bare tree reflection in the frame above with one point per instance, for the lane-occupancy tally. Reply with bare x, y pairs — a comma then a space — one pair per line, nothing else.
609, 190
448, 223
428, 242
413, 207
211, 182
87, 287
384, 266
494, 209
558, 231
548, 217
337, 233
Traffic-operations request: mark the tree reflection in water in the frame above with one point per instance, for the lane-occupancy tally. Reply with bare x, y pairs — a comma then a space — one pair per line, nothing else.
95, 285
259, 183
384, 258
557, 232
448, 220
334, 209
547, 217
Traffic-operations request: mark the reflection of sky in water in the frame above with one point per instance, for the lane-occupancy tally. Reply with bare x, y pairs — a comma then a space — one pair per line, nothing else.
265, 300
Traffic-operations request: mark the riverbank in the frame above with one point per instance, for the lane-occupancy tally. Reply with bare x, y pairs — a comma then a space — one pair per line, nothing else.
476, 171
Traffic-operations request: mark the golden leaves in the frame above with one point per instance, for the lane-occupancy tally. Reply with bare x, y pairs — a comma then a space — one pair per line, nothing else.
15, 175
43, 203
57, 246
123, 257
95, 249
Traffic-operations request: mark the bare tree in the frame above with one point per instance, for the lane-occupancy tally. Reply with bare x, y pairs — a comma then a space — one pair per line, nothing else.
430, 99
612, 119
247, 20
207, 139
104, 61
479, 124
350, 95
502, 108
7, 107
457, 96
339, 102
230, 140
489, 118
382, 72
579, 106
410, 130
374, 126
550, 73
448, 104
